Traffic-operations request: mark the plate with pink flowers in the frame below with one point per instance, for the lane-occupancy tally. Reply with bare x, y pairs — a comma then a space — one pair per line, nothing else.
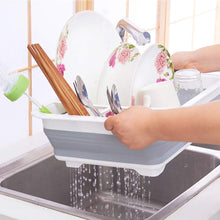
83, 47
155, 65
119, 69
130, 71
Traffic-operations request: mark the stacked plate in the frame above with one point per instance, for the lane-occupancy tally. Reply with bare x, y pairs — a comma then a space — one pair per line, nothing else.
85, 43
90, 46
132, 71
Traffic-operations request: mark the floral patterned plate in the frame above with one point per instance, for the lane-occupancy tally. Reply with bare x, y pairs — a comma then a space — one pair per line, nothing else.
155, 66
130, 71
84, 45
119, 69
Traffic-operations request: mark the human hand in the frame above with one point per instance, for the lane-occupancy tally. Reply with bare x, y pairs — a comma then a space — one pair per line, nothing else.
183, 60
134, 127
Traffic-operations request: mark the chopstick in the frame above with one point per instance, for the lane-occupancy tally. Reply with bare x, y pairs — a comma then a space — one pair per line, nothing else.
64, 92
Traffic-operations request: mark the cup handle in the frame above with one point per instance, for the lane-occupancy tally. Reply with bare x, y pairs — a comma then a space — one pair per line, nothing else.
146, 100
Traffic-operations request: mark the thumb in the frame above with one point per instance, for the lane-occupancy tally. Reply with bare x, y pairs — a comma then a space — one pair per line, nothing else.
109, 123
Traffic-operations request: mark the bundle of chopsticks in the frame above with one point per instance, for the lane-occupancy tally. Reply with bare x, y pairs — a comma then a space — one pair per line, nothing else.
64, 92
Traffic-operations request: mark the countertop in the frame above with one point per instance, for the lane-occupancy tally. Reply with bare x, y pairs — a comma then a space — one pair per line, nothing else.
205, 205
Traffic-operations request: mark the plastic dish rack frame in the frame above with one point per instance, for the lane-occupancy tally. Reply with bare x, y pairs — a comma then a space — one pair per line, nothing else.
81, 140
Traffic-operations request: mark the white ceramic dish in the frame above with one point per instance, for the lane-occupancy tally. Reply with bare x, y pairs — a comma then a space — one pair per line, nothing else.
84, 45
119, 70
83, 139
155, 65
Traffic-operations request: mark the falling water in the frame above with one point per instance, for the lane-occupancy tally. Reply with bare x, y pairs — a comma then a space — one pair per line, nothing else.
118, 181
149, 190
126, 182
110, 191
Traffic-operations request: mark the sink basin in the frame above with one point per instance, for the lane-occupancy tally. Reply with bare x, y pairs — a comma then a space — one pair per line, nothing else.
98, 192
209, 146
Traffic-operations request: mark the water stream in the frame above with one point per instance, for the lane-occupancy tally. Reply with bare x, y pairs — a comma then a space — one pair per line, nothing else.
115, 192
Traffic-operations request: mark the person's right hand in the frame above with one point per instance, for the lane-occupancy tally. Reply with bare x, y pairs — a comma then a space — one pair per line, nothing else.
134, 127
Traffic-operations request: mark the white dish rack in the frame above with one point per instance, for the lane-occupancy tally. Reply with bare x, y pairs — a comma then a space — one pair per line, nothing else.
81, 140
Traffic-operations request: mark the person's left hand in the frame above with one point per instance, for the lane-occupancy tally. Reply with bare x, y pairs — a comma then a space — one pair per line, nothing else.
134, 127
183, 60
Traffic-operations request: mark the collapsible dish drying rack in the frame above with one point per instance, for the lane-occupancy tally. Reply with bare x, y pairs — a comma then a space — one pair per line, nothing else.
81, 140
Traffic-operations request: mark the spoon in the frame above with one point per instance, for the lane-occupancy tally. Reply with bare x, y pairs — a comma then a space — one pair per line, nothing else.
115, 96
82, 94
111, 103
77, 91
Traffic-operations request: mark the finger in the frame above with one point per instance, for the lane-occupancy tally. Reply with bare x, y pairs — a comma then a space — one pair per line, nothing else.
109, 123
114, 132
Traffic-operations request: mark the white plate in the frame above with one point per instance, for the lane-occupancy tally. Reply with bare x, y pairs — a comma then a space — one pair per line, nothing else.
84, 45
119, 69
155, 65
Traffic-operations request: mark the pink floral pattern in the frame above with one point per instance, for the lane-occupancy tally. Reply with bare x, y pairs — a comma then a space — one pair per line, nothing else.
62, 47
161, 80
61, 51
123, 54
108, 114
112, 60
164, 65
61, 68
160, 62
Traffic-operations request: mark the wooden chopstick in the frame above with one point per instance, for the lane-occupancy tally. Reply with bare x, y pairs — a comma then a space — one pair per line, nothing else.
71, 98
59, 78
55, 83
64, 92
36, 55
68, 90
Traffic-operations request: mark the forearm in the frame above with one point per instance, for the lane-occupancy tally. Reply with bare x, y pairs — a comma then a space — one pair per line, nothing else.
199, 124
207, 59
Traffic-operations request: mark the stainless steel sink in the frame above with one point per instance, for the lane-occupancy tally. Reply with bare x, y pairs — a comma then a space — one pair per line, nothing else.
209, 146
97, 192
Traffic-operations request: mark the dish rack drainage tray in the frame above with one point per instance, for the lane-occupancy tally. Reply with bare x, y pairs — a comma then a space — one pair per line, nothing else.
81, 140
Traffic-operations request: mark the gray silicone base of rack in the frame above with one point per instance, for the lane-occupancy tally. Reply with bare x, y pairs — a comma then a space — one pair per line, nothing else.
108, 148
